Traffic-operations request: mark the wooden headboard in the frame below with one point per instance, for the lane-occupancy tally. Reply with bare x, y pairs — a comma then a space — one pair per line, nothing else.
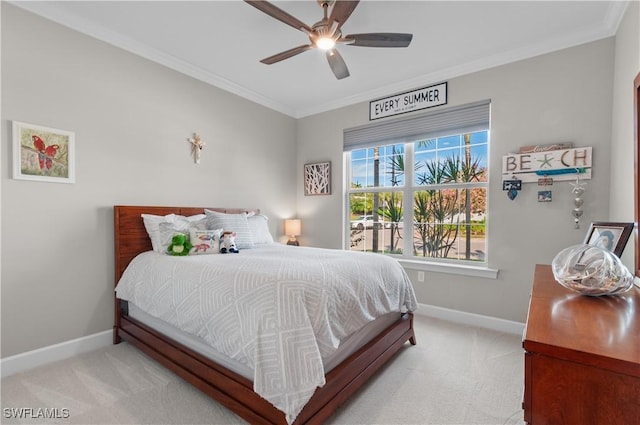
130, 235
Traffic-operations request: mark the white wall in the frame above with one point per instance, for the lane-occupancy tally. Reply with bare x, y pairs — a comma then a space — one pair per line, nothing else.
627, 66
131, 120
563, 96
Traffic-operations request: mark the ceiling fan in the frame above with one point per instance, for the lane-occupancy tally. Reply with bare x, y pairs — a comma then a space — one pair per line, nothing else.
326, 33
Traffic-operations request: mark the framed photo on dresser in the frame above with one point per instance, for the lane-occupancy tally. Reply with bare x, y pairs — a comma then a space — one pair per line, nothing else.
610, 236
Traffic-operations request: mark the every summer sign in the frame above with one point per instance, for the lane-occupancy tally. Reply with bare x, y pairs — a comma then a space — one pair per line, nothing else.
426, 97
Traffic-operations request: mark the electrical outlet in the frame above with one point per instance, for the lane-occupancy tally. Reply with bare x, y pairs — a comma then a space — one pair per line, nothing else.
420, 276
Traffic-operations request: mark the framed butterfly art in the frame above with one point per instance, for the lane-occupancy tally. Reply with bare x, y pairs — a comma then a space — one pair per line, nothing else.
43, 153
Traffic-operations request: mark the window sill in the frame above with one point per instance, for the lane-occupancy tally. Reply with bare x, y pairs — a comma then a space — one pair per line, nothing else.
459, 269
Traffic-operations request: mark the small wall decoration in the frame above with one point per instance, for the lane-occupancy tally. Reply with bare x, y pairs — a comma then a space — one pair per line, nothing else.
578, 190
43, 153
196, 147
545, 181
512, 187
561, 164
545, 148
317, 179
610, 236
545, 196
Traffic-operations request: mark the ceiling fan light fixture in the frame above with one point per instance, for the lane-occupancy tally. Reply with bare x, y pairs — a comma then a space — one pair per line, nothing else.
325, 43
327, 32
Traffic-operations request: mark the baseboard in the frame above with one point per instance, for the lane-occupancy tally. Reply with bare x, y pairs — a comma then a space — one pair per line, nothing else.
471, 319
30, 359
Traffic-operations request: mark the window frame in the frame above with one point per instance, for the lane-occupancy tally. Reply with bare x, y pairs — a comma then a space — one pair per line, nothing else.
409, 189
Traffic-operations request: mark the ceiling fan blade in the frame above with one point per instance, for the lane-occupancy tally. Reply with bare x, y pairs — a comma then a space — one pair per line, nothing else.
342, 10
337, 64
286, 54
280, 15
378, 39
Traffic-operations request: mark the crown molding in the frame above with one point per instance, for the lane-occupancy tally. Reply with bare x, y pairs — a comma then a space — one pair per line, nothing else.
614, 15
47, 10
608, 29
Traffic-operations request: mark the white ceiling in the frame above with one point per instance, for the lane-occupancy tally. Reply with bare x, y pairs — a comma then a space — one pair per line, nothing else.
222, 42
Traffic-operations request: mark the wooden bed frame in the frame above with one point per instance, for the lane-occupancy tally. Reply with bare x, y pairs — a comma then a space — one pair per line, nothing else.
228, 388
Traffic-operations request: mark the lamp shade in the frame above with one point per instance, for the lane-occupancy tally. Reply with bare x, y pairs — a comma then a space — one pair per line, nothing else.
292, 227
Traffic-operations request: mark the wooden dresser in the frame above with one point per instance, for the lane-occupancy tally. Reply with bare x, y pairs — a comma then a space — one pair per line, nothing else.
582, 356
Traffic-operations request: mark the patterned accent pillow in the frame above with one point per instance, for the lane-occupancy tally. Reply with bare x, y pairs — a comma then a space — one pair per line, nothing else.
259, 229
233, 222
205, 241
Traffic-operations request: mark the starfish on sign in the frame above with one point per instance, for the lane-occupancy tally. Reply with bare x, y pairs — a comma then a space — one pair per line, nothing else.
546, 161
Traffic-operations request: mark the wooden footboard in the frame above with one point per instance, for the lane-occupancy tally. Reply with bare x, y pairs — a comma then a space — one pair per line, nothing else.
236, 392
227, 387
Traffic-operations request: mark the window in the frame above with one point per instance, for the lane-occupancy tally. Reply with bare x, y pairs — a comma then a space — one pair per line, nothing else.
438, 172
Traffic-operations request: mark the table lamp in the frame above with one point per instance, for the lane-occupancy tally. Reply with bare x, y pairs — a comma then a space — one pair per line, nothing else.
292, 229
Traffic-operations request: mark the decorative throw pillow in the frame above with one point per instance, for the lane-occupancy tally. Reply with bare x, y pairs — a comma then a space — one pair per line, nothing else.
152, 225
234, 222
204, 241
259, 229
194, 218
198, 222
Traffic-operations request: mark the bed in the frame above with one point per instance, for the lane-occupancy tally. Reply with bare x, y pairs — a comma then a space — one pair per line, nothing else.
227, 382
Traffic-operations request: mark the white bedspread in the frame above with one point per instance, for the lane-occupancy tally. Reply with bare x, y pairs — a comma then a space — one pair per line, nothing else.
278, 309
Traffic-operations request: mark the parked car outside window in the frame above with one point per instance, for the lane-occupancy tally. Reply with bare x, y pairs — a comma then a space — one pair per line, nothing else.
366, 222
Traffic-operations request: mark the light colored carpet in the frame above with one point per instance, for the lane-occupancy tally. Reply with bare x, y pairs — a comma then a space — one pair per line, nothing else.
455, 375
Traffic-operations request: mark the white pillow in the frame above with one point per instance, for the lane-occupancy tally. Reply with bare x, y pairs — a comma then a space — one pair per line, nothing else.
152, 225
204, 241
233, 222
259, 229
194, 218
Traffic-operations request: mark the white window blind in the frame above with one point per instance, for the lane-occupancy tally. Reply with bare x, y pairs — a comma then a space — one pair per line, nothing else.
437, 123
